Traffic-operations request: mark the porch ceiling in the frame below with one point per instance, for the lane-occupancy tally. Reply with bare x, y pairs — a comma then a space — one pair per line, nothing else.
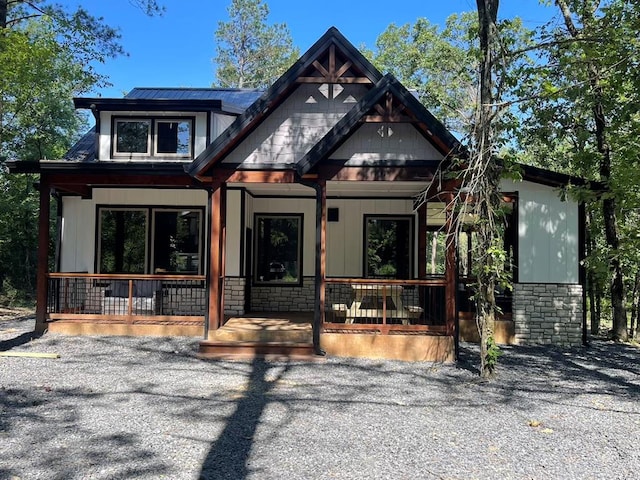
337, 188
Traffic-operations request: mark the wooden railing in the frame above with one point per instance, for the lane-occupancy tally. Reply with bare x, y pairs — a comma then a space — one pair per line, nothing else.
126, 298
385, 306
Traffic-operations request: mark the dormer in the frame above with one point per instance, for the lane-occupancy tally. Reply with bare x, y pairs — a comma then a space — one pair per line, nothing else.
162, 124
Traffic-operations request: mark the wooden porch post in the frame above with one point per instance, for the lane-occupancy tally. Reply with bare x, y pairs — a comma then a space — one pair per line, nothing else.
422, 241
216, 232
450, 270
43, 256
321, 250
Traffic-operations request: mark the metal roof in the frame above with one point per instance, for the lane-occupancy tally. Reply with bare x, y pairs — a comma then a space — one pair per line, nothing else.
84, 150
235, 96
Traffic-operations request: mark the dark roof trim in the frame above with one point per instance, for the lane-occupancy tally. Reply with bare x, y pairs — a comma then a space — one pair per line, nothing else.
555, 179
262, 107
154, 105
124, 168
351, 122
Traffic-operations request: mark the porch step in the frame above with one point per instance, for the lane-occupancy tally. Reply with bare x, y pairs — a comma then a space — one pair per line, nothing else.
241, 350
263, 330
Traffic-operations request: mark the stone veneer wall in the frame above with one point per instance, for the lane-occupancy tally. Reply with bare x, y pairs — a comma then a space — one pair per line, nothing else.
234, 295
548, 313
284, 298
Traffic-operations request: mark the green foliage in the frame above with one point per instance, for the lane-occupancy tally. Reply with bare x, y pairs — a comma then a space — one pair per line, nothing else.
47, 56
251, 53
441, 64
18, 234
588, 73
493, 352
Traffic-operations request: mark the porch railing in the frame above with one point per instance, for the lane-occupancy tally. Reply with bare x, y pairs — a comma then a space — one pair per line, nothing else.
385, 306
129, 298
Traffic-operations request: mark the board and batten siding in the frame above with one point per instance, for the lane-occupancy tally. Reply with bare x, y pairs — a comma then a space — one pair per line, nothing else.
295, 127
345, 238
378, 142
234, 235
77, 253
548, 234
200, 132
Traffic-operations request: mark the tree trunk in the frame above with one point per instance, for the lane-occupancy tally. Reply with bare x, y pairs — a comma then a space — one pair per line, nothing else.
484, 146
608, 203
3, 13
594, 315
633, 325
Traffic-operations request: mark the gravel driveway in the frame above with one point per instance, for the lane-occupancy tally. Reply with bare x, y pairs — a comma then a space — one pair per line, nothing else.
112, 408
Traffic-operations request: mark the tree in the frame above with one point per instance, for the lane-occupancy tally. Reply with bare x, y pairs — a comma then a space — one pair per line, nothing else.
250, 53
47, 56
466, 74
585, 112
440, 64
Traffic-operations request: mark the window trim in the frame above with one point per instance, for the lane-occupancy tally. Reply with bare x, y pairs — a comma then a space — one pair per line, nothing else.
254, 274
410, 218
152, 139
114, 137
131, 208
149, 235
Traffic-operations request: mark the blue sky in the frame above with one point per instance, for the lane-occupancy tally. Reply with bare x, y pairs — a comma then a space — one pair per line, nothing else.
176, 50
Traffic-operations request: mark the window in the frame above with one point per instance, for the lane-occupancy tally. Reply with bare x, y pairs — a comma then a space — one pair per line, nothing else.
171, 137
278, 249
388, 247
132, 137
176, 241
123, 235
130, 243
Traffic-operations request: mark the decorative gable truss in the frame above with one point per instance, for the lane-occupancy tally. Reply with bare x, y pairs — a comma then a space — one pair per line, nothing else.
342, 75
382, 114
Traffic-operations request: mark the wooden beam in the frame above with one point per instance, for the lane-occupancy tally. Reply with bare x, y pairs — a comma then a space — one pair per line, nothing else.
29, 354
255, 176
214, 316
387, 118
422, 241
339, 172
347, 80
323, 246
450, 270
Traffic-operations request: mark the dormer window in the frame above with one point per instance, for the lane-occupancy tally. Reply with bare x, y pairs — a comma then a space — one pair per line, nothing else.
153, 137
133, 137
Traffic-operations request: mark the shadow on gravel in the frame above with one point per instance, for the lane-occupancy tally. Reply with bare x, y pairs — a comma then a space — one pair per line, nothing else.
229, 454
50, 422
19, 340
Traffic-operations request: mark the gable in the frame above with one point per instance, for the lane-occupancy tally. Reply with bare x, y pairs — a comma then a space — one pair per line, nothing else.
373, 142
302, 120
332, 65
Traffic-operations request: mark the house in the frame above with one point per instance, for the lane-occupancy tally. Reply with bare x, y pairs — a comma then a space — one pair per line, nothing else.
186, 210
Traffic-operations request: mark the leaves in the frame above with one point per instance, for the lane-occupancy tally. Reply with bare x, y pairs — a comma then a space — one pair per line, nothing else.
250, 53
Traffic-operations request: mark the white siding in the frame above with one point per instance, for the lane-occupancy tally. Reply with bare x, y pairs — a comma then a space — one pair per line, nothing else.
200, 132
219, 124
367, 145
345, 238
234, 235
547, 234
77, 235
295, 126
77, 253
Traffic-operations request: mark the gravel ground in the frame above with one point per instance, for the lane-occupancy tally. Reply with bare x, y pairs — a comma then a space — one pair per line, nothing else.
112, 408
